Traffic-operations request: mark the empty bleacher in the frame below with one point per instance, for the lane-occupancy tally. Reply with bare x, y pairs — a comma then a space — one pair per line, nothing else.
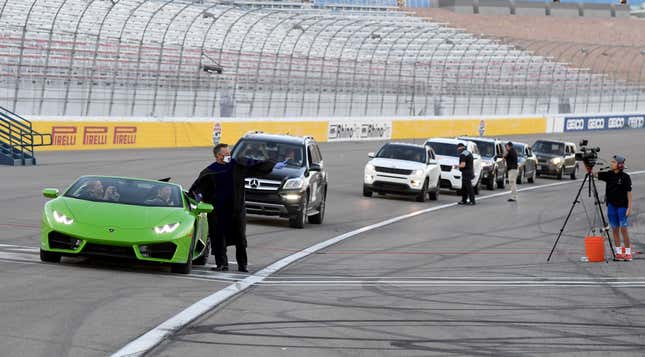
327, 58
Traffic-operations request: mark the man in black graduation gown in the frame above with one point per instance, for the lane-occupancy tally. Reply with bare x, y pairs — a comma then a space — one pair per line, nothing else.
222, 185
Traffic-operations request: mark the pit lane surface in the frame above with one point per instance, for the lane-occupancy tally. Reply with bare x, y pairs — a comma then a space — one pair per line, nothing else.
462, 280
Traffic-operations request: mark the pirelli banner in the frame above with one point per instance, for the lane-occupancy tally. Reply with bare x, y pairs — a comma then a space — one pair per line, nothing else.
139, 133
101, 134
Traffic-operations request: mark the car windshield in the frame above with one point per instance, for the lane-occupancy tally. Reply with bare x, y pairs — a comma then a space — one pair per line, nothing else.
545, 147
519, 148
486, 149
126, 191
402, 152
290, 154
443, 149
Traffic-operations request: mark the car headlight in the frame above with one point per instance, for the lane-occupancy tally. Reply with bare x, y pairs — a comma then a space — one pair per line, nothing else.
294, 184
556, 160
370, 169
455, 167
167, 228
63, 219
418, 173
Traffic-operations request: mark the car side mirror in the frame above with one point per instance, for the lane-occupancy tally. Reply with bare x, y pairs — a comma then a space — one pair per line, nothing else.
371, 155
203, 207
315, 167
50, 192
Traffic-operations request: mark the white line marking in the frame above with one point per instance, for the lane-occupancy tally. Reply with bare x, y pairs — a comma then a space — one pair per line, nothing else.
152, 338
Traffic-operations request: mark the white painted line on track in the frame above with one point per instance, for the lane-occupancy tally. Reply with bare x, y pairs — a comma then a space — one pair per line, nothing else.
152, 338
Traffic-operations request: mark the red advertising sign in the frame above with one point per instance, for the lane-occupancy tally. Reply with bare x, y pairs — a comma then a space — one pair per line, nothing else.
95, 135
64, 135
125, 135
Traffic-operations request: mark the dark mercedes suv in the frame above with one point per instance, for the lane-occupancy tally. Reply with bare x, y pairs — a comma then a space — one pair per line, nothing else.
298, 191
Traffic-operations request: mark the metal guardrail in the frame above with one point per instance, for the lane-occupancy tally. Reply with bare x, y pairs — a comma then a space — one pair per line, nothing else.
17, 132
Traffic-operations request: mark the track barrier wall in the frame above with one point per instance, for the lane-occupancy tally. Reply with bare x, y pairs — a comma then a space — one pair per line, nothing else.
138, 133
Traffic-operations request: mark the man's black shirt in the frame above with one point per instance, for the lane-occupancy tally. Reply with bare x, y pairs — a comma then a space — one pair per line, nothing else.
618, 184
511, 159
467, 158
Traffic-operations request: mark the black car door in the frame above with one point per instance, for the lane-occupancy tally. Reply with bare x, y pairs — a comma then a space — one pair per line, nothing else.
315, 176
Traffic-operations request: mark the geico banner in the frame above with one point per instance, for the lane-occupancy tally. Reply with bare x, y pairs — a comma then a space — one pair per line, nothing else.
100, 135
604, 122
359, 130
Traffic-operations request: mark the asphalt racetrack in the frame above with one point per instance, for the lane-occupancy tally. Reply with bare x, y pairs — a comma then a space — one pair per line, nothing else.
452, 281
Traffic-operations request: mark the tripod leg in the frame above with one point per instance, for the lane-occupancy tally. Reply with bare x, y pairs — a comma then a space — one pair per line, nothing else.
582, 186
602, 216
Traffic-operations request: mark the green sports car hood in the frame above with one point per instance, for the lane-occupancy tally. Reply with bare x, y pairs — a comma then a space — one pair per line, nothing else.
119, 215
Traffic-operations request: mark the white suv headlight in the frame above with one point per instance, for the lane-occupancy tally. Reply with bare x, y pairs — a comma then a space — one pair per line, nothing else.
294, 184
418, 173
369, 169
556, 160
167, 228
61, 218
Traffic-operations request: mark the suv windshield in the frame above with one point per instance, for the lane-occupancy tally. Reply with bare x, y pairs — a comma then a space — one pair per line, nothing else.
519, 148
402, 152
126, 191
443, 149
545, 147
486, 148
290, 154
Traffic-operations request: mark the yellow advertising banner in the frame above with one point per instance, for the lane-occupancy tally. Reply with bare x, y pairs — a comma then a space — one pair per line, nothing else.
428, 128
102, 135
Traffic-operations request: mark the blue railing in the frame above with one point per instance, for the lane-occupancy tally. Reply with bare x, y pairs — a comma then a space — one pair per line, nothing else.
18, 137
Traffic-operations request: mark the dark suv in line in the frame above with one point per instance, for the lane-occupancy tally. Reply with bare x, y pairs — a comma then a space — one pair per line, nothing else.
298, 191
556, 158
493, 164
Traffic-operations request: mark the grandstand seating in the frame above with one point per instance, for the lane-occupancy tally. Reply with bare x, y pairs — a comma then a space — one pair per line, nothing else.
144, 57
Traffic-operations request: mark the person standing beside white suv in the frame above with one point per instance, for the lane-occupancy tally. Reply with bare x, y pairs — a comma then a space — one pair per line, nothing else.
446, 152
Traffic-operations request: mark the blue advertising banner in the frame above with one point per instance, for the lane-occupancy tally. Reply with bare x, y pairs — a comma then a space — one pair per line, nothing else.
604, 122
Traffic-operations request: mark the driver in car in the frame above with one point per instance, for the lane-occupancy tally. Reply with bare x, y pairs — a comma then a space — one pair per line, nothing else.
93, 190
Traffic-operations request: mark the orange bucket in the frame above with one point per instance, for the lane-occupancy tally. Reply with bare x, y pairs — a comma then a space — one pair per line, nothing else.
595, 249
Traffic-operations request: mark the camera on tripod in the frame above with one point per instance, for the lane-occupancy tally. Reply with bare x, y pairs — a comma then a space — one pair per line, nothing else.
588, 155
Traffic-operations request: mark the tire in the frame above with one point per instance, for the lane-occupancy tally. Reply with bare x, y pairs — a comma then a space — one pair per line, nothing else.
501, 183
421, 197
434, 195
299, 220
366, 192
560, 173
49, 257
574, 172
184, 268
320, 216
532, 178
490, 185
207, 251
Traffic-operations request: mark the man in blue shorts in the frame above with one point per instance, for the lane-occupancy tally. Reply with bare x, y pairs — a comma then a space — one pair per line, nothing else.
618, 195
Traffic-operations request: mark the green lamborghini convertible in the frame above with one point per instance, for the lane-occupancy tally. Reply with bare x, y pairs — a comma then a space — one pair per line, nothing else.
126, 218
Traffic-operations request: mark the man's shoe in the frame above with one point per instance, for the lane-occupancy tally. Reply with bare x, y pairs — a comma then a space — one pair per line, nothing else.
628, 257
242, 269
220, 268
472, 203
512, 200
619, 257
462, 203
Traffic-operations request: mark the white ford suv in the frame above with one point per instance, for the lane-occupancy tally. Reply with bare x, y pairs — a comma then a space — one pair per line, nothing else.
448, 157
403, 169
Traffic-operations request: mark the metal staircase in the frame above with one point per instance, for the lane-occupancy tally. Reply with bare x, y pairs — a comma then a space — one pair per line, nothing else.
18, 139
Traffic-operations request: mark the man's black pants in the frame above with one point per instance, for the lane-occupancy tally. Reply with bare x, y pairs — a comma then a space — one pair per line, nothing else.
219, 234
467, 190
